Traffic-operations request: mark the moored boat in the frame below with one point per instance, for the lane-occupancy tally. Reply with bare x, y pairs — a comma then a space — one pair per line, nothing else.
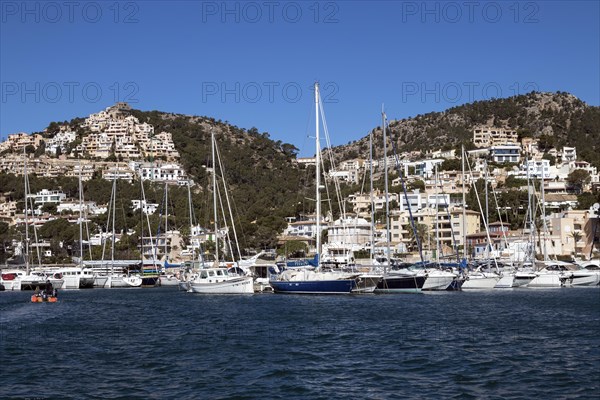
311, 282
401, 282
219, 281
480, 280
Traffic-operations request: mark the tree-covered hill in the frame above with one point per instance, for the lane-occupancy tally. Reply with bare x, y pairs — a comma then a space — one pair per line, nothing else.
558, 119
262, 175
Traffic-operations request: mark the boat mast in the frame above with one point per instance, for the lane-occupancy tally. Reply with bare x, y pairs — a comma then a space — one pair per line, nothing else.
531, 218
114, 206
318, 175
80, 220
387, 202
191, 220
437, 219
214, 174
26, 256
464, 208
545, 249
166, 220
372, 202
487, 204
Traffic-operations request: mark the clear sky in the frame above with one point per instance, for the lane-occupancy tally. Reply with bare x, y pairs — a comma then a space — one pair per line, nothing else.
253, 63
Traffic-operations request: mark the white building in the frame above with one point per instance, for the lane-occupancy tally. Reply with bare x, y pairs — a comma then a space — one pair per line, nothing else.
60, 141
351, 176
349, 231
48, 196
537, 169
568, 154
170, 173
147, 208
415, 201
506, 153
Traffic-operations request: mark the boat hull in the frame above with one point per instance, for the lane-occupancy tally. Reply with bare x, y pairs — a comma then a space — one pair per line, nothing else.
42, 299
366, 283
546, 281
339, 286
522, 280
438, 282
480, 283
584, 279
166, 280
506, 282
400, 284
100, 281
241, 285
150, 281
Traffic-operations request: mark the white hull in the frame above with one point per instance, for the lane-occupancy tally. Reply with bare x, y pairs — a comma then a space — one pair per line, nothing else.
546, 281
132, 281
584, 279
437, 281
100, 281
168, 281
238, 285
480, 282
366, 283
261, 285
11, 285
506, 282
71, 282
522, 280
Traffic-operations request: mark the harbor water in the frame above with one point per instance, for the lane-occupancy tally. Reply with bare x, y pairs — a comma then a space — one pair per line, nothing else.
162, 343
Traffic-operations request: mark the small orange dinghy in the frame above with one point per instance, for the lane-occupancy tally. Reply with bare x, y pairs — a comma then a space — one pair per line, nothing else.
43, 299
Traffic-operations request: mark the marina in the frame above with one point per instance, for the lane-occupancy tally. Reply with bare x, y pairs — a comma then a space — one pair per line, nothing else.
306, 200
504, 343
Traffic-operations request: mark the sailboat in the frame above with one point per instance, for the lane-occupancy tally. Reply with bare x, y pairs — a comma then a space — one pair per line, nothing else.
484, 277
308, 279
27, 280
218, 280
167, 278
396, 279
120, 278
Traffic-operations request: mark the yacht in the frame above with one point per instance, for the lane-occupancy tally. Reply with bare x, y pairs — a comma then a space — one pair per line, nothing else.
75, 277
482, 278
219, 281
587, 275
555, 274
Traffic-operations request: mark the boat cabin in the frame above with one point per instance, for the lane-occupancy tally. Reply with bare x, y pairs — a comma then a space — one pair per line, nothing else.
213, 275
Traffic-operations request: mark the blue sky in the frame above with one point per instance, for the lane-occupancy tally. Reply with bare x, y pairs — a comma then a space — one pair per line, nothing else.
253, 63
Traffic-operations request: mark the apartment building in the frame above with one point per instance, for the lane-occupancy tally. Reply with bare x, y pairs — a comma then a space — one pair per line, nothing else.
506, 153
60, 141
361, 202
491, 136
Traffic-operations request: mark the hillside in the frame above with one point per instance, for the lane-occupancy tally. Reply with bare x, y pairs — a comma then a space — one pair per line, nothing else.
557, 118
261, 174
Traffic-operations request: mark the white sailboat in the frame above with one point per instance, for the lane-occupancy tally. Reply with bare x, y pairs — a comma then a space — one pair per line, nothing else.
483, 277
217, 280
115, 278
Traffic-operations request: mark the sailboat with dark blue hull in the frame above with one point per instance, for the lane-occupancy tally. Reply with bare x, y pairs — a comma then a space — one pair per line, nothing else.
309, 279
338, 286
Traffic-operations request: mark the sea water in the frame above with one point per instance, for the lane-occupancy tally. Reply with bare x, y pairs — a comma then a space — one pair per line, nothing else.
163, 343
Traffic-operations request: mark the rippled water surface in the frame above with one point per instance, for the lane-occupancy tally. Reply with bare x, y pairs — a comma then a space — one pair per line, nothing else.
161, 343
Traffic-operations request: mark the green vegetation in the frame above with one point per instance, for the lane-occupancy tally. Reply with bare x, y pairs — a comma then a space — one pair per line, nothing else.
568, 121
578, 179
